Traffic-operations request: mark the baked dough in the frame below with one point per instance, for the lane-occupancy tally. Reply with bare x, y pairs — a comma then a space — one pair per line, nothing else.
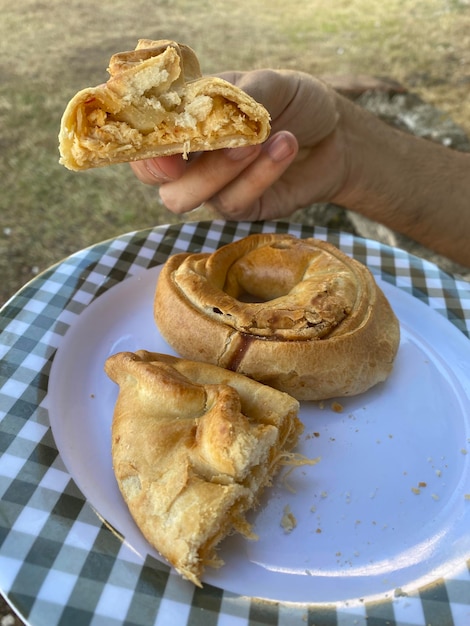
296, 314
157, 103
193, 445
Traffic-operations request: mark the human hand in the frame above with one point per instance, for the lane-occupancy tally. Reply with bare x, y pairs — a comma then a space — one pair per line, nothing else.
303, 161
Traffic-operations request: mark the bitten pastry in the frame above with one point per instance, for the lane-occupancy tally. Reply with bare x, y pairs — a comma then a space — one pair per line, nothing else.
193, 446
157, 103
296, 314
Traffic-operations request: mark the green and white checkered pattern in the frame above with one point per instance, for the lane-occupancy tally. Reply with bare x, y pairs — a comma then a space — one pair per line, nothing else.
60, 563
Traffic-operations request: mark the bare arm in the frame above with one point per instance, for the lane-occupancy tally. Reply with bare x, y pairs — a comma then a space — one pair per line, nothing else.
412, 185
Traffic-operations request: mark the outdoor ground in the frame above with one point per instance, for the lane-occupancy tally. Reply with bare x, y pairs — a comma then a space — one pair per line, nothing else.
50, 49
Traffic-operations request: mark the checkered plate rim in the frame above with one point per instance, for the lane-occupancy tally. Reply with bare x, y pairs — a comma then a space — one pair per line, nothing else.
60, 563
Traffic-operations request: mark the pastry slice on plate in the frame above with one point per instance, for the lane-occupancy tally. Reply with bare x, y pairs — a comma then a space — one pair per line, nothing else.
157, 103
193, 446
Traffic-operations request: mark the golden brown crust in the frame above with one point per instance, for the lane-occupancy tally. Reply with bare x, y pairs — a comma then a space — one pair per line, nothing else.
156, 103
296, 314
193, 446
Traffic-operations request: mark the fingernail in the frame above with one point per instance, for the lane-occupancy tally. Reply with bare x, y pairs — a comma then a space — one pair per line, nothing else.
279, 148
156, 171
238, 154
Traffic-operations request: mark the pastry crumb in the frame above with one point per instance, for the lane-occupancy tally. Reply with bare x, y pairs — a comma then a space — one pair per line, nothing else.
399, 593
288, 521
186, 149
337, 407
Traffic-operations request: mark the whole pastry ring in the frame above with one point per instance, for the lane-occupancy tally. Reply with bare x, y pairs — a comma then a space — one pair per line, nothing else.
296, 314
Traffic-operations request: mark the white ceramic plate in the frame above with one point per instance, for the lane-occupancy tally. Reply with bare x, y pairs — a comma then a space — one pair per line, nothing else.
382, 520
384, 509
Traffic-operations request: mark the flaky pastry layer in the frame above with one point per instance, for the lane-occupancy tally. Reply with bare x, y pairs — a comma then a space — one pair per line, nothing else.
156, 103
193, 446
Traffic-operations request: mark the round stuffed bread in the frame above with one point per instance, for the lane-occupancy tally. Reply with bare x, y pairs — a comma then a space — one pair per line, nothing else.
296, 314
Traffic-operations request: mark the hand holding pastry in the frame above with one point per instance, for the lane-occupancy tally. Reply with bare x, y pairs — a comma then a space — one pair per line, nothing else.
325, 148
300, 162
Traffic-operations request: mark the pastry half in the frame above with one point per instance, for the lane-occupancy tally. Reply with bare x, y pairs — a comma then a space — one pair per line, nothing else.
157, 103
193, 446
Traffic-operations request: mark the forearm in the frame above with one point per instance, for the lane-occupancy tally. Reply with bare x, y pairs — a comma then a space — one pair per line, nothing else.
412, 185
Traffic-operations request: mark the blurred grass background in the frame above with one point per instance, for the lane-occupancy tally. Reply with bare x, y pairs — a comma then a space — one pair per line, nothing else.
50, 49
